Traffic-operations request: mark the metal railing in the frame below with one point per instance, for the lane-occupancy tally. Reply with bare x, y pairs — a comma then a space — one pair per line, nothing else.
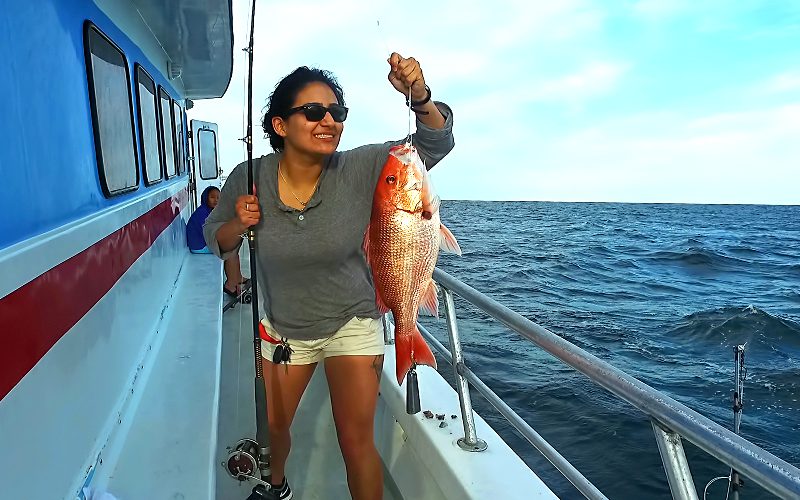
670, 419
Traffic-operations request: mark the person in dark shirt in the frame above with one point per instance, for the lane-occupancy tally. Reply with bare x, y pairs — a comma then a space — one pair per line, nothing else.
197, 244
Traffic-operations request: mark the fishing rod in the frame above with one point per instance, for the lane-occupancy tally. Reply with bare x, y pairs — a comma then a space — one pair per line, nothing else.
735, 482
250, 459
740, 373
262, 424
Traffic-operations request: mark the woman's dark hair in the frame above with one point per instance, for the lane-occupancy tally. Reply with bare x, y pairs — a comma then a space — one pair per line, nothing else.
282, 98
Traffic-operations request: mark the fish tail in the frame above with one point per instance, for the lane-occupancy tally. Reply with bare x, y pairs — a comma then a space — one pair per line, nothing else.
409, 350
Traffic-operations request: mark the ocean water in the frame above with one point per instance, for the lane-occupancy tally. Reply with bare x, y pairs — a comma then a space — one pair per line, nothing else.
663, 292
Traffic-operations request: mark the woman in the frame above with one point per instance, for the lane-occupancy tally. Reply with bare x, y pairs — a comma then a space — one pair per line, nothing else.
318, 294
197, 244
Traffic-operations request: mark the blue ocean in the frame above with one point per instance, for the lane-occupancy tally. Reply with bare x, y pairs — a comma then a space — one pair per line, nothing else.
661, 291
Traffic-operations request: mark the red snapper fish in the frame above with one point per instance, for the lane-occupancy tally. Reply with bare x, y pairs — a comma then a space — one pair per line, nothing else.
402, 244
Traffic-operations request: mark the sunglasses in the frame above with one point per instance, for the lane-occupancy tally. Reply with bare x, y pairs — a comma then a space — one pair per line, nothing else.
316, 112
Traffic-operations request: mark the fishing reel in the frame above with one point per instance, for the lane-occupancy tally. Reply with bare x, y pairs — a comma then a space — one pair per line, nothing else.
242, 463
247, 297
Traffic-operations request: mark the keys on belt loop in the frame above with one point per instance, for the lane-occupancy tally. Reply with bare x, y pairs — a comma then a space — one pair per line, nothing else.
282, 353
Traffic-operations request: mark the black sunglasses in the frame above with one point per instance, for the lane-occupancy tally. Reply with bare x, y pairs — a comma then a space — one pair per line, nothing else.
315, 112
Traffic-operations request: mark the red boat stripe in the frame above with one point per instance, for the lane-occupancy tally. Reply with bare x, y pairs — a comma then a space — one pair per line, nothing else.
37, 315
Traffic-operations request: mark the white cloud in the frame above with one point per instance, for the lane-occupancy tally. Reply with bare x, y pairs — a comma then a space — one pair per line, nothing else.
738, 157
468, 44
783, 83
659, 10
743, 18
503, 66
594, 79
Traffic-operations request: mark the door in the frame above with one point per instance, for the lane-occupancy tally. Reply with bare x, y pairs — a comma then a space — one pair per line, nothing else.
205, 169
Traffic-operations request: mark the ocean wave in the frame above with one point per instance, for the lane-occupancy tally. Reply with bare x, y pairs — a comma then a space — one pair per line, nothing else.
699, 257
738, 325
743, 250
693, 241
659, 286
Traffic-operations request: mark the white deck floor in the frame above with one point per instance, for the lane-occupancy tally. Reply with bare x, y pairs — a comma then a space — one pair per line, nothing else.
184, 423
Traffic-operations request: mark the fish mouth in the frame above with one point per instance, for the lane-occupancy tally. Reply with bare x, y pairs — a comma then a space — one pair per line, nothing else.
406, 156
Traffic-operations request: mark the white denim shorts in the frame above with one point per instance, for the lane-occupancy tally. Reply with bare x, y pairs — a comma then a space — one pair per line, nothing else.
358, 337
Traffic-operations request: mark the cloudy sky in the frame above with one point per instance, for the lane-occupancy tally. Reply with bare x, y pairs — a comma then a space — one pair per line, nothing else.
570, 100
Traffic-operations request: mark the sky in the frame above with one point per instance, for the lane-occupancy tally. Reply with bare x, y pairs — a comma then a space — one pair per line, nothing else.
576, 100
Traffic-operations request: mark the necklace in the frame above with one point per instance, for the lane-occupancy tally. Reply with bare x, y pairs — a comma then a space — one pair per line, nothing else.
304, 203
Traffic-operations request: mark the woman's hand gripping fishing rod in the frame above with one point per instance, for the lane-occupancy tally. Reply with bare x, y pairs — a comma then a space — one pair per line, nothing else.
248, 211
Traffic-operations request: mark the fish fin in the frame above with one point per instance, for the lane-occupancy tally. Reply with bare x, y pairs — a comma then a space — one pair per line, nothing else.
447, 242
430, 201
430, 300
430, 208
403, 348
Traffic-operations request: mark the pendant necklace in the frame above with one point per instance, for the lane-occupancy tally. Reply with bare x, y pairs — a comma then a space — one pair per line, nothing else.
304, 203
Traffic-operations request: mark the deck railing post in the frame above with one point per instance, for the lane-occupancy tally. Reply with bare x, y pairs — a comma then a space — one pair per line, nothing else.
676, 466
470, 441
388, 332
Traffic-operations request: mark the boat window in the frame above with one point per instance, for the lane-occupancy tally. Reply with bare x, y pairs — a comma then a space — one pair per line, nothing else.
112, 113
177, 113
167, 132
148, 126
207, 151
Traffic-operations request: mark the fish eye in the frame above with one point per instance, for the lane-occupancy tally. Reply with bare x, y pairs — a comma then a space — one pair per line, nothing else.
391, 179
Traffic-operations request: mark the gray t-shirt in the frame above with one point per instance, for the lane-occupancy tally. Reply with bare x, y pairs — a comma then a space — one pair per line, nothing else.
313, 276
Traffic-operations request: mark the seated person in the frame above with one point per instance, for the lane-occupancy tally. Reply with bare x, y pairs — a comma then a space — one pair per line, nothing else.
194, 238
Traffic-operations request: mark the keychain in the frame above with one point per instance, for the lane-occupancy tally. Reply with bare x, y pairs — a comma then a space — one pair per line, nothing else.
282, 352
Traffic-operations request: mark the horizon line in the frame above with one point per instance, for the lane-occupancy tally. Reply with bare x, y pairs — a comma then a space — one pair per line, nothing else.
630, 202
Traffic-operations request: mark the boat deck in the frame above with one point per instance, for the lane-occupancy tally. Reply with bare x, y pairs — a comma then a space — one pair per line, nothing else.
162, 450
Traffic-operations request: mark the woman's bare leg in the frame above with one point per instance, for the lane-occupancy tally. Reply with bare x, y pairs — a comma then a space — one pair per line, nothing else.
354, 382
285, 385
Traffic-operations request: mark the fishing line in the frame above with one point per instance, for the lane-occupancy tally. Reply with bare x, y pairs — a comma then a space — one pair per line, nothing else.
408, 139
728, 477
245, 56
385, 45
383, 39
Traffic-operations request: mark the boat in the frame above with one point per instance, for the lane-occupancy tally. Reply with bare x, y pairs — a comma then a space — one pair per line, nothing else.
119, 372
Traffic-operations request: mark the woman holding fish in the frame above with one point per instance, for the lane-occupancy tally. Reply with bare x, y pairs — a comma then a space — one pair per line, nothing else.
311, 212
